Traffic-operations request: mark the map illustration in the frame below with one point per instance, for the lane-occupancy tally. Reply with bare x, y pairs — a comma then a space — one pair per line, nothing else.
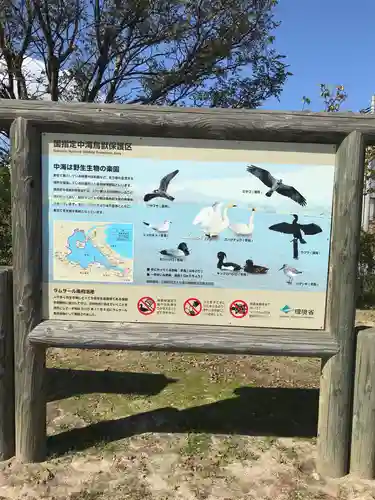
93, 253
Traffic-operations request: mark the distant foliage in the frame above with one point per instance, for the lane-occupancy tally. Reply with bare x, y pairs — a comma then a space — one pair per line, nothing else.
5, 214
366, 270
333, 99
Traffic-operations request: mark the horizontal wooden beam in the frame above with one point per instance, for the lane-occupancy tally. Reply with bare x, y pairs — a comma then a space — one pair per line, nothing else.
154, 121
183, 338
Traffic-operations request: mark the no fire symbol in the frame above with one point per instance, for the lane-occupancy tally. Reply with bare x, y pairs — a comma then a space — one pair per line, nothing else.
192, 307
238, 308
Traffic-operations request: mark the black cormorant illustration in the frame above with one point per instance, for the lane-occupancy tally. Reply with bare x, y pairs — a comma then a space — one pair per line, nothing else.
276, 185
161, 192
226, 266
252, 268
297, 230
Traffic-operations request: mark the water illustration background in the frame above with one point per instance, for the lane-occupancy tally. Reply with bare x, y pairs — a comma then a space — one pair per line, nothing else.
268, 248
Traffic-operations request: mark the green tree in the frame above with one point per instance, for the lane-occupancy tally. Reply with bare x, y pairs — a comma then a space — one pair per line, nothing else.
213, 53
166, 52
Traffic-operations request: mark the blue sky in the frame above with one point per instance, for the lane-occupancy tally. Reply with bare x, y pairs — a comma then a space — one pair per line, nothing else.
326, 41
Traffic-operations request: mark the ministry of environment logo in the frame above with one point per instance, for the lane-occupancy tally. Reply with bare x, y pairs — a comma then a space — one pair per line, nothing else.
286, 309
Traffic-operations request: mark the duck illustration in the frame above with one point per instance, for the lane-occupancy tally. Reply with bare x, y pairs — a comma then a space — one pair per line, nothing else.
243, 229
226, 266
290, 272
276, 185
161, 191
181, 251
213, 220
142, 308
252, 268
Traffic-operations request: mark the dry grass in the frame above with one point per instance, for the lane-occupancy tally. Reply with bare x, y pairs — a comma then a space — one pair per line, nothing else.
167, 426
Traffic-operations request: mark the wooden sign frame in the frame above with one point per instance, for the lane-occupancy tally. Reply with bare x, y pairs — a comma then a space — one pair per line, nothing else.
349, 132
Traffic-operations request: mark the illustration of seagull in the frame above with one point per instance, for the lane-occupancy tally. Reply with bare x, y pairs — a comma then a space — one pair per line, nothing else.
291, 272
159, 228
161, 191
181, 251
276, 185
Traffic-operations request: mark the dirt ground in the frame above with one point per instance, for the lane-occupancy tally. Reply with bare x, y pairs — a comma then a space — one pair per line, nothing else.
187, 427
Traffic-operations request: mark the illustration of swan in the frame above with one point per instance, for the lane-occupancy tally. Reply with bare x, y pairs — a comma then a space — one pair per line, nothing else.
213, 222
206, 212
242, 229
161, 191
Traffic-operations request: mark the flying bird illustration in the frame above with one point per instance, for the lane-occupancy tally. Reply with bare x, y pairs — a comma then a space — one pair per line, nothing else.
276, 185
161, 191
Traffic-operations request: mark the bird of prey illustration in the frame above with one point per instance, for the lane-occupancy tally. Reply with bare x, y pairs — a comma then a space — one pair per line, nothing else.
276, 185
161, 191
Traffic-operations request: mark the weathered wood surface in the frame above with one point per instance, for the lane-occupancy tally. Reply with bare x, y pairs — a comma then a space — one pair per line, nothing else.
157, 121
7, 445
337, 372
183, 338
362, 458
30, 401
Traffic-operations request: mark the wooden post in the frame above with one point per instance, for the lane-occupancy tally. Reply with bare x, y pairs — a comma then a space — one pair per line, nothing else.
362, 457
6, 365
336, 384
30, 400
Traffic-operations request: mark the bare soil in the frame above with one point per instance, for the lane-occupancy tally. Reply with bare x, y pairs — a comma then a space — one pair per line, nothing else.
125, 425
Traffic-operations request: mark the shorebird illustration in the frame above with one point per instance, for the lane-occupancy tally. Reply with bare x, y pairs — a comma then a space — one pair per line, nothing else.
291, 272
161, 191
276, 185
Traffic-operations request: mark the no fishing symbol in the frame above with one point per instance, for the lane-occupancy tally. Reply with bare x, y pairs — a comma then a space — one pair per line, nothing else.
146, 306
193, 307
238, 309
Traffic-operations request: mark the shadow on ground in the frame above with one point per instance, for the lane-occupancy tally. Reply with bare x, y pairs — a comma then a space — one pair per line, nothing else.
253, 411
63, 383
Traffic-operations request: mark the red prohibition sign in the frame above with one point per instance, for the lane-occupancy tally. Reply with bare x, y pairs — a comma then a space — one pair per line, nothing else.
192, 307
238, 309
146, 306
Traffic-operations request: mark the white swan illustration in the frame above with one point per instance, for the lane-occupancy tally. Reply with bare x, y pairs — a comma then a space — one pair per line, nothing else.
212, 221
242, 229
206, 212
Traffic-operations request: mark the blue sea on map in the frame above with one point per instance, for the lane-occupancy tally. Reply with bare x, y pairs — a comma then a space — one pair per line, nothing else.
86, 254
118, 236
